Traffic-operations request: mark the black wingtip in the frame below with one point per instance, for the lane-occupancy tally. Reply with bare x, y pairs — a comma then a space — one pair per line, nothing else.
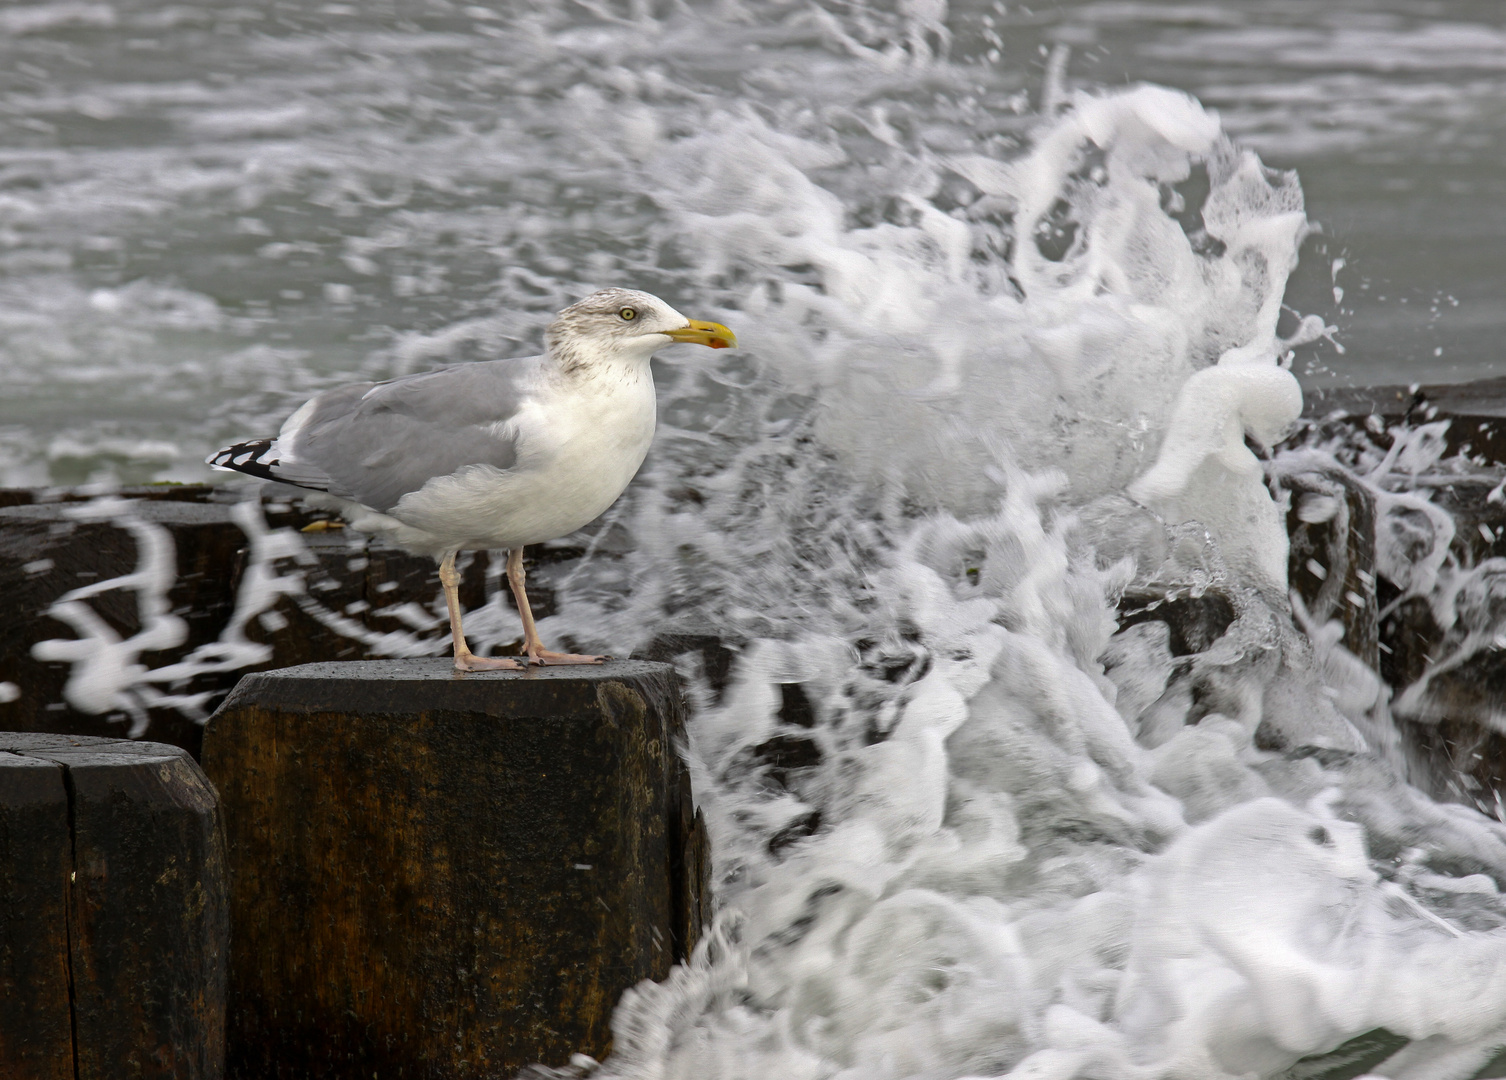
246, 457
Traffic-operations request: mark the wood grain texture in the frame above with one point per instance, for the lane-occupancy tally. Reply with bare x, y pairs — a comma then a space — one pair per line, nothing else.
36, 1036
448, 877
139, 865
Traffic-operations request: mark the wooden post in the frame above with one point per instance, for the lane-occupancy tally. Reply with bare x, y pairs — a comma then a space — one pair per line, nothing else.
36, 856
113, 913
1331, 564
443, 876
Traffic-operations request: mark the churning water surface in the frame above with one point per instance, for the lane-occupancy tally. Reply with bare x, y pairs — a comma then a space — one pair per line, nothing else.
207, 210
1008, 321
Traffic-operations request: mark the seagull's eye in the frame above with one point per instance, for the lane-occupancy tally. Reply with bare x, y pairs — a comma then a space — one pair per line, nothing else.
628, 314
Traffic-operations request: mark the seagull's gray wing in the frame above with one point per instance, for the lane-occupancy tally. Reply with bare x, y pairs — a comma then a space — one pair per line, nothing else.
375, 442
396, 436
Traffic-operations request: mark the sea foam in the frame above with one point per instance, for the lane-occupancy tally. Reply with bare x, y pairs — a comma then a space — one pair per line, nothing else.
1000, 837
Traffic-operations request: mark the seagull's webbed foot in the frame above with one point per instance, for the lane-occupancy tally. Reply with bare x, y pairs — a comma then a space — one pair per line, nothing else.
469, 661
542, 656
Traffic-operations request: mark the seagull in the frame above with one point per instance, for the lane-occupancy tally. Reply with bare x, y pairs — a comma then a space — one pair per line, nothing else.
490, 455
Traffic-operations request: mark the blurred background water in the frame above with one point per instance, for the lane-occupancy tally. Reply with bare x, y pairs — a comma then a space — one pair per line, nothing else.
209, 210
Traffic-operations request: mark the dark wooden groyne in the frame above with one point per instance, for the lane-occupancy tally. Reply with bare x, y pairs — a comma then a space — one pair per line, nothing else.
1451, 727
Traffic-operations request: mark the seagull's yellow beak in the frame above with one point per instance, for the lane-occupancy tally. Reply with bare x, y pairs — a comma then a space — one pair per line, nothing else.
713, 334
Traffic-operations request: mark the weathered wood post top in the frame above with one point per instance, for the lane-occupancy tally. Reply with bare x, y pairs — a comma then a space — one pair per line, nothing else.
396, 686
447, 875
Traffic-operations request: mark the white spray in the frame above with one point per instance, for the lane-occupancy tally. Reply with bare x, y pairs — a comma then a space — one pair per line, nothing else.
965, 860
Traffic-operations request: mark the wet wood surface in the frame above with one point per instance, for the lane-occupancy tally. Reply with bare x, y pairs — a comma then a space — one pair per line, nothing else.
115, 915
441, 876
1331, 561
1475, 411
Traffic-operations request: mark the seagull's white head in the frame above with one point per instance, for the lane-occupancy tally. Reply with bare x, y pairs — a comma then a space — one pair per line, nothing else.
625, 324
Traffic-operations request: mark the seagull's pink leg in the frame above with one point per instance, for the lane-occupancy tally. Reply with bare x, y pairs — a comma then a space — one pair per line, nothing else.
465, 660
537, 654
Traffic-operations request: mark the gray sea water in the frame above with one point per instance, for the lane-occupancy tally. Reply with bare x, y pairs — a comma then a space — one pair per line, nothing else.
208, 210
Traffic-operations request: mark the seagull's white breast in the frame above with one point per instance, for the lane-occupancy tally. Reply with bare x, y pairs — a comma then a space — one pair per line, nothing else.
580, 441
